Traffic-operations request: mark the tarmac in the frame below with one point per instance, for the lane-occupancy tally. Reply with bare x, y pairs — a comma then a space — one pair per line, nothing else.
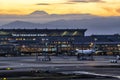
100, 66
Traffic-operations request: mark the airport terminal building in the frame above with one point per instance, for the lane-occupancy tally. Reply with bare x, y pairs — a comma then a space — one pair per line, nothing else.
54, 41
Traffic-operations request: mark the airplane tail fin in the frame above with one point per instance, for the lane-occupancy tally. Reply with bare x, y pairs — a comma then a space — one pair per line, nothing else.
93, 46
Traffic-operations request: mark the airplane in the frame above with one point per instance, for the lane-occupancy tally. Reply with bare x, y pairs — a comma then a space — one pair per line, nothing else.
82, 54
87, 51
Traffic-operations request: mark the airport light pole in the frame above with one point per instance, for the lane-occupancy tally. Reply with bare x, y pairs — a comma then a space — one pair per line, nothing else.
118, 49
46, 47
95, 39
82, 46
82, 56
46, 56
37, 56
56, 46
71, 44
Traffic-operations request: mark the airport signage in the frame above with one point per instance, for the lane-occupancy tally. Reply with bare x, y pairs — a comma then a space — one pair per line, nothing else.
17, 35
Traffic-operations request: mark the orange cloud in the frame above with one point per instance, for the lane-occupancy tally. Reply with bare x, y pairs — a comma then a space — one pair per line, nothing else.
118, 10
95, 7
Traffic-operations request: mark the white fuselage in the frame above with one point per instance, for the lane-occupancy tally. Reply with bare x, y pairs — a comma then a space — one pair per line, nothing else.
90, 51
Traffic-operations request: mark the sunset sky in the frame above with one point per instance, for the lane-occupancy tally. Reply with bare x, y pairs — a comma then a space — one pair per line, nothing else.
95, 7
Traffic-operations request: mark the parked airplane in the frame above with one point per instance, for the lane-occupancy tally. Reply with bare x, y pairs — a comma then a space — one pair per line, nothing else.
88, 51
86, 54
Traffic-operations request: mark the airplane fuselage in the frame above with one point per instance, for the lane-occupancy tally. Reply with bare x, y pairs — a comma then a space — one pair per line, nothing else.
85, 51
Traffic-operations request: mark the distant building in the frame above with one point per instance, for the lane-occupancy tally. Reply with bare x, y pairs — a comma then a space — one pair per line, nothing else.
55, 41
43, 32
33, 40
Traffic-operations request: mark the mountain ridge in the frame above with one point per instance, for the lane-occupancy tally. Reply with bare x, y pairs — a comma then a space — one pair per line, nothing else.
110, 25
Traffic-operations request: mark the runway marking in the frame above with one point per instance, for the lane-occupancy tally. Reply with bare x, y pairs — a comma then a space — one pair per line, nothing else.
90, 73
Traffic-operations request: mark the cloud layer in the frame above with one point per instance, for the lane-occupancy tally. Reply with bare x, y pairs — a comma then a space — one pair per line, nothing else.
43, 4
94, 7
85, 1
